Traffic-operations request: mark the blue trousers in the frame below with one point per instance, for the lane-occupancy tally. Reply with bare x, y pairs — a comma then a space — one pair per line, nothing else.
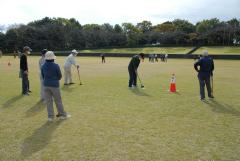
25, 83
132, 77
204, 80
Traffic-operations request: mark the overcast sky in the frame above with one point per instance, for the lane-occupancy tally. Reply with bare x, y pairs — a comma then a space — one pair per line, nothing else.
117, 11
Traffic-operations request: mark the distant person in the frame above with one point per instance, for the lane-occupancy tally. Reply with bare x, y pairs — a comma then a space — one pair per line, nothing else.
1, 53
156, 58
40, 63
14, 54
69, 61
24, 71
206, 65
166, 57
19, 54
51, 75
149, 57
132, 69
103, 57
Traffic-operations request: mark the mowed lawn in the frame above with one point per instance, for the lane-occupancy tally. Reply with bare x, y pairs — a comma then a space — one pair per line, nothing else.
220, 50
147, 50
111, 122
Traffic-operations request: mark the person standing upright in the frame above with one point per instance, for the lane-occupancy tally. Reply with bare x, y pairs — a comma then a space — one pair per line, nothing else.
103, 57
51, 75
69, 61
132, 69
40, 63
24, 72
206, 65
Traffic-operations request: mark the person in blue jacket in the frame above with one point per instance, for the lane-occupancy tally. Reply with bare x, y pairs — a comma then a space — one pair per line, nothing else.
51, 75
132, 69
206, 65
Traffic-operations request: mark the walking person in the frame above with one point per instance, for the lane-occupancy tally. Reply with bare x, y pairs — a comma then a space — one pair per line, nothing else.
206, 65
166, 57
70, 60
132, 69
103, 57
24, 72
40, 63
156, 58
51, 75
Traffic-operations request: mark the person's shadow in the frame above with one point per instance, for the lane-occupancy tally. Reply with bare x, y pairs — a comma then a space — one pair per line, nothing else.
39, 139
139, 92
36, 108
11, 101
223, 108
67, 88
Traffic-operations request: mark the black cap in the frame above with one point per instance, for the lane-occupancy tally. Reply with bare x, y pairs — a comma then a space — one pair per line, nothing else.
142, 55
44, 51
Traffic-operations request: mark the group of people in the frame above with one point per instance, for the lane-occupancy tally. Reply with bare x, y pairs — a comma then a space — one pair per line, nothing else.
50, 75
154, 57
204, 67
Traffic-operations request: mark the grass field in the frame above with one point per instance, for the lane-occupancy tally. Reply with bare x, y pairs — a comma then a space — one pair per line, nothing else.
111, 122
147, 50
225, 50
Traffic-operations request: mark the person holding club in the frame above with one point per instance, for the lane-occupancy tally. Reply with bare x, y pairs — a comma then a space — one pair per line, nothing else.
69, 61
205, 72
132, 69
51, 75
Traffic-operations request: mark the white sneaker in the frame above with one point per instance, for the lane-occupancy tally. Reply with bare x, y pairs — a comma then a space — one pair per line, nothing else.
65, 117
50, 119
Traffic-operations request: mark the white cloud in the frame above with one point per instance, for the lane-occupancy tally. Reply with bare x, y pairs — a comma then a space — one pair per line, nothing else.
117, 11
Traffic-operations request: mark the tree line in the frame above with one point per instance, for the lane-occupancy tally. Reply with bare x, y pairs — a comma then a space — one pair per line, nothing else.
65, 34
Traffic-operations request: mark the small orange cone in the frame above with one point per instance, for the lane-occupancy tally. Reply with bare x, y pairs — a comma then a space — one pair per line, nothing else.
173, 83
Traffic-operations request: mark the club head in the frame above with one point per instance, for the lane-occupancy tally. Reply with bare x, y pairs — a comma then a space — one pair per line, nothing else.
80, 84
142, 86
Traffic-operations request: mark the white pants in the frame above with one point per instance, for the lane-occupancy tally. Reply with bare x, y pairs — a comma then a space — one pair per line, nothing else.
67, 75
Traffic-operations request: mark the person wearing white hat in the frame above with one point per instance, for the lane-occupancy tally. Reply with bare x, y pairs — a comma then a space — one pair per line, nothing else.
51, 75
69, 61
206, 65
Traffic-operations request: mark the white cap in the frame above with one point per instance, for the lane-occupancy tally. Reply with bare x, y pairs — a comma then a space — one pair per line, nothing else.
50, 55
205, 53
74, 51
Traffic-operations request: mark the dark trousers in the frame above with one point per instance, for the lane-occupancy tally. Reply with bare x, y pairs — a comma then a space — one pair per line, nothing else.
25, 83
132, 77
103, 59
202, 81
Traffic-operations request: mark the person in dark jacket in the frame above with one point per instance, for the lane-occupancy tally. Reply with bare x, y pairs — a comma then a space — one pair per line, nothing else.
206, 65
24, 71
51, 75
103, 57
132, 69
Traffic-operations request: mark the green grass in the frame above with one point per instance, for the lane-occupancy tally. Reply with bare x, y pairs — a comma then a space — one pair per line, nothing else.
224, 50
111, 122
147, 50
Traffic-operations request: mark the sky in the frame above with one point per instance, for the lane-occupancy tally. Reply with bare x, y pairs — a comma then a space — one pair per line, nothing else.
117, 11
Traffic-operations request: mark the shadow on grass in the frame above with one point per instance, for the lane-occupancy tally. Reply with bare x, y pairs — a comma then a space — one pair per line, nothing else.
36, 108
11, 101
67, 88
223, 108
39, 139
139, 92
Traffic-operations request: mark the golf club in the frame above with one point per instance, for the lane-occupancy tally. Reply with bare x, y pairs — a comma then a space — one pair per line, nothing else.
212, 84
142, 86
79, 77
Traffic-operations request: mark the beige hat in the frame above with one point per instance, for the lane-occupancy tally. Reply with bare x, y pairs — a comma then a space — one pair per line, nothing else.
50, 55
205, 53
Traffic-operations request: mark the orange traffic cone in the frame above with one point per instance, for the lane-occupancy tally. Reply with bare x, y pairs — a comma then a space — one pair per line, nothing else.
173, 83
